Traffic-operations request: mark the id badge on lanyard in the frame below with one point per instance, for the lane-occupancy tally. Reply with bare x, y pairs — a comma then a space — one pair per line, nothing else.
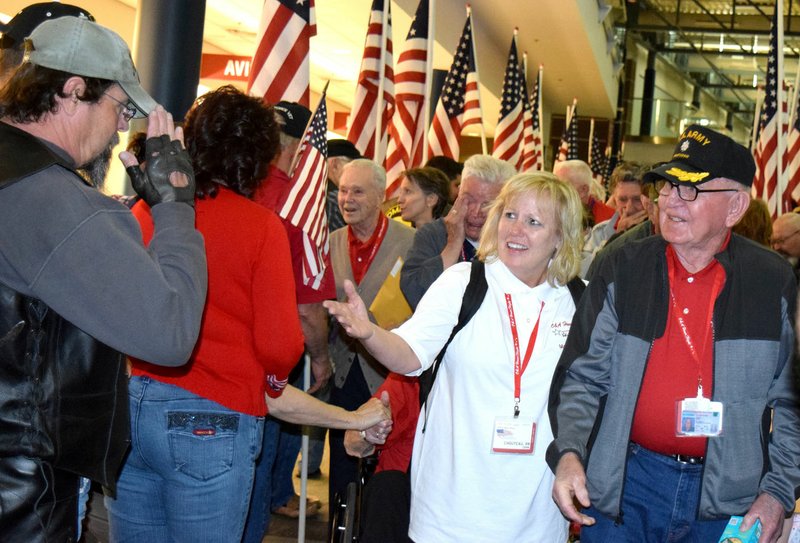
516, 434
699, 416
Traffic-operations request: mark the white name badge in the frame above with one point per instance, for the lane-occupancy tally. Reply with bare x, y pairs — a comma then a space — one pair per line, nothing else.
513, 435
698, 417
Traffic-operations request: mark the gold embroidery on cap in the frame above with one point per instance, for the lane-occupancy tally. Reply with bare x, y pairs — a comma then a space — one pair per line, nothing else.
691, 177
697, 136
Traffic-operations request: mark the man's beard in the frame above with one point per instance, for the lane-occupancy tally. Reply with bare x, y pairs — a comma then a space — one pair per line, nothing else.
95, 171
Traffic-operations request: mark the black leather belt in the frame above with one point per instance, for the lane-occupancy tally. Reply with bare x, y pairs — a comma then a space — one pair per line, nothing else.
684, 459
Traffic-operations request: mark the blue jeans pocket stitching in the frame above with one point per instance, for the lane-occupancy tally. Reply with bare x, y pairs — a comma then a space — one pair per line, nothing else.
202, 443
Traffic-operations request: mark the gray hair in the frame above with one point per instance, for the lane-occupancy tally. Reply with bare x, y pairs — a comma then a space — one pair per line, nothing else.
574, 170
488, 169
378, 173
285, 139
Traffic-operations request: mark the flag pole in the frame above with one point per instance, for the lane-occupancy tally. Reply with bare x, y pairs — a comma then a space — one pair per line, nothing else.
781, 140
426, 102
477, 76
301, 521
757, 118
524, 69
591, 140
378, 144
538, 107
793, 101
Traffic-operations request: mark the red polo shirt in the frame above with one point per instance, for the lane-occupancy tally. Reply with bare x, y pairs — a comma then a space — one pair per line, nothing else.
673, 370
363, 253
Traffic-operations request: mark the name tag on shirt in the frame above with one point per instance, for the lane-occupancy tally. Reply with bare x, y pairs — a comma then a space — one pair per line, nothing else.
699, 417
513, 435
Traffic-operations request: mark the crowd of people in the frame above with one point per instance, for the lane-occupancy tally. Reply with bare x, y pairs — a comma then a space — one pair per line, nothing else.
524, 353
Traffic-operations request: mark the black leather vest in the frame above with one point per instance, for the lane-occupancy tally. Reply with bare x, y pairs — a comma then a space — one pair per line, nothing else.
63, 394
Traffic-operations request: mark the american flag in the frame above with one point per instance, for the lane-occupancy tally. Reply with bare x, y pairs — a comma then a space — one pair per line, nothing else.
508, 136
305, 203
537, 160
765, 183
459, 104
407, 129
597, 158
792, 161
279, 70
363, 116
568, 149
529, 150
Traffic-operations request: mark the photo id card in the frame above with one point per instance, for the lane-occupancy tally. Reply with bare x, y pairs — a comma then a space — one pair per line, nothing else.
513, 435
698, 417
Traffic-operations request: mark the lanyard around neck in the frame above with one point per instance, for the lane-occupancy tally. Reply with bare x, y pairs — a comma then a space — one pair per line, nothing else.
520, 364
716, 287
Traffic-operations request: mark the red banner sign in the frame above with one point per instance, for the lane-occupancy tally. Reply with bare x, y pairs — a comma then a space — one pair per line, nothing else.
226, 67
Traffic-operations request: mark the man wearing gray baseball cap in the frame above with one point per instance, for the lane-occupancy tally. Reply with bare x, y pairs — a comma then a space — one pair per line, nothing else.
77, 287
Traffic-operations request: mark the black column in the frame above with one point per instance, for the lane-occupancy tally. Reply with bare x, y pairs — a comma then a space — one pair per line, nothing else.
169, 46
648, 92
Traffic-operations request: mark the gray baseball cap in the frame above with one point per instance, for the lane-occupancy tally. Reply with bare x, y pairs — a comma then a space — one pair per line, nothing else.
78, 46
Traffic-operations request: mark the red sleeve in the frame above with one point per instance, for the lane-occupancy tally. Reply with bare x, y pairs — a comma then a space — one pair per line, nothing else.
601, 211
404, 401
305, 293
276, 323
141, 211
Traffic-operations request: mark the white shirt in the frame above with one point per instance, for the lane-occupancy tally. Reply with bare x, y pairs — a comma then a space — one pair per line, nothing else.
460, 489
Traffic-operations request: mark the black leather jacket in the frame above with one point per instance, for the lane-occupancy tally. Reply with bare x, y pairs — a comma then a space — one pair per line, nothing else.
63, 394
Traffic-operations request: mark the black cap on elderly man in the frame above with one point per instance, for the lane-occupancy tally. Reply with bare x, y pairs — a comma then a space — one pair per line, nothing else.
295, 118
342, 147
703, 154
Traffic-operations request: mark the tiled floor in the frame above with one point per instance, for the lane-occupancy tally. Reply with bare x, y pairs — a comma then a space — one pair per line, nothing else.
285, 530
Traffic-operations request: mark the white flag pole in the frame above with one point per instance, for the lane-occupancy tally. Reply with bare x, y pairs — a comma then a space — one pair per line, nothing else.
378, 145
477, 76
426, 102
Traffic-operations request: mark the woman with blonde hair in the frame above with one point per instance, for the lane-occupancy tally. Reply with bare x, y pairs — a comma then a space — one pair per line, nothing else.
478, 470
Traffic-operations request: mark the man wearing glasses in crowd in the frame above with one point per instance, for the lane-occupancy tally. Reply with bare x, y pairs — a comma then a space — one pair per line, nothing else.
697, 324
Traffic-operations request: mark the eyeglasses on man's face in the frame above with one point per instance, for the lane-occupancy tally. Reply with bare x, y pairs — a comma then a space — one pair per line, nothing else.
128, 110
687, 193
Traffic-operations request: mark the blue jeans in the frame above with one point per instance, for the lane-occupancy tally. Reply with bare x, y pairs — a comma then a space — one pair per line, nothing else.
190, 469
659, 504
83, 497
260, 501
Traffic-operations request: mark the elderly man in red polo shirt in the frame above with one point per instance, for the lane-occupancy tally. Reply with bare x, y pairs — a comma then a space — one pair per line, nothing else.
694, 325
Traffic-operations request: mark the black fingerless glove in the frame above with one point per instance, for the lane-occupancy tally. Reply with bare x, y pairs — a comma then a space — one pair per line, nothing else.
163, 157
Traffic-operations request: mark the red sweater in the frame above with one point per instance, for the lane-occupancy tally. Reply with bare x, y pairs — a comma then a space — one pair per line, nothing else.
251, 332
404, 401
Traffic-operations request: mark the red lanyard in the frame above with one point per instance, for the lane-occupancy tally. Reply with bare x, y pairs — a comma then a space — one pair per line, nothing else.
355, 247
719, 275
520, 365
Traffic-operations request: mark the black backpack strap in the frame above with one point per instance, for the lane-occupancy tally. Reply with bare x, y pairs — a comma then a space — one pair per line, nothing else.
472, 300
576, 287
